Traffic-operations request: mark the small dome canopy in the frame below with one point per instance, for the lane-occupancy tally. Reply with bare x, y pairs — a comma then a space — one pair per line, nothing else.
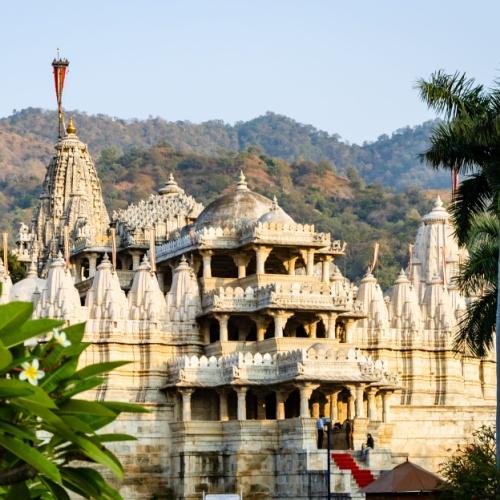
276, 215
238, 208
23, 290
171, 187
437, 214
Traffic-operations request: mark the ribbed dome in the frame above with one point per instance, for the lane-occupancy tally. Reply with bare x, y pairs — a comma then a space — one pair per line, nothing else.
276, 215
23, 290
235, 209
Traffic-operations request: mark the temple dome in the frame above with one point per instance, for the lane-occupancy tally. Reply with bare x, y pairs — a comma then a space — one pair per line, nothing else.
23, 290
276, 215
235, 209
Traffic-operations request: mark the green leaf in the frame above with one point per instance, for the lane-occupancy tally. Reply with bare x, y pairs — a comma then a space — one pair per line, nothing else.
5, 356
17, 431
86, 407
31, 456
74, 333
10, 388
77, 386
91, 476
29, 329
110, 438
73, 480
77, 424
98, 368
57, 491
119, 407
17, 491
13, 315
65, 371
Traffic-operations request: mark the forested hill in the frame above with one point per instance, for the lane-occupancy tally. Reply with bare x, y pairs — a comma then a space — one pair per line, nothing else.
390, 160
310, 192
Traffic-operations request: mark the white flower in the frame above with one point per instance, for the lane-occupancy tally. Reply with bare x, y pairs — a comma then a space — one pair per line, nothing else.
60, 338
31, 373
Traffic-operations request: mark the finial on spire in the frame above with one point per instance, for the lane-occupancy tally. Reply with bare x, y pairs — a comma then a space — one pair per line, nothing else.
242, 183
171, 187
438, 203
59, 67
71, 129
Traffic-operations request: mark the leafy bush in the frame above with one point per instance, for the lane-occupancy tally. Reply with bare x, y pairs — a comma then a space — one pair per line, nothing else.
471, 471
44, 427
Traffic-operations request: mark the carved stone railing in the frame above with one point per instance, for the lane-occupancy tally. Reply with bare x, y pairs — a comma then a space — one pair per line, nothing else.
318, 363
273, 296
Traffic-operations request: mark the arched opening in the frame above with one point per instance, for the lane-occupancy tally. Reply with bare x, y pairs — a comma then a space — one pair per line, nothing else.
252, 405
274, 265
205, 405
214, 330
252, 266
343, 405
270, 402
85, 266
295, 328
241, 328
292, 404
269, 330
317, 404
232, 405
167, 278
223, 266
320, 330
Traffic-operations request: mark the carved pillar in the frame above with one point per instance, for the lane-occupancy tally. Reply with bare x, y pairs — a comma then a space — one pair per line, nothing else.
223, 412
330, 328
291, 265
241, 261
206, 255
360, 408
261, 255
315, 409
305, 394
333, 402
313, 326
348, 326
78, 271
280, 404
186, 404
242, 402
92, 264
136, 260
261, 324
325, 268
223, 320
372, 404
310, 263
280, 319
386, 406
351, 410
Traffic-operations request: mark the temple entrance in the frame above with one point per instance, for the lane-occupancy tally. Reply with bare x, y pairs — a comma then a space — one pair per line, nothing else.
292, 404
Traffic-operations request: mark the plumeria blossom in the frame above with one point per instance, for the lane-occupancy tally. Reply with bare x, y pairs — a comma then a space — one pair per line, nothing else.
31, 372
60, 338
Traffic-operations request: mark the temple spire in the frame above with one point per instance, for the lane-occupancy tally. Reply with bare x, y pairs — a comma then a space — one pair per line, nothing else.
59, 67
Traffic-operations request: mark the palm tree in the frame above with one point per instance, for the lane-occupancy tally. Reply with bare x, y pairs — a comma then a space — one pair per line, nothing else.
467, 142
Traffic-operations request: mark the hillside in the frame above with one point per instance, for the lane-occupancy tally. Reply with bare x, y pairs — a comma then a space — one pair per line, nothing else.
391, 160
310, 192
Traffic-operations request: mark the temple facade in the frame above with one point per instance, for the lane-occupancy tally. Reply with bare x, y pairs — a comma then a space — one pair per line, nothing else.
242, 331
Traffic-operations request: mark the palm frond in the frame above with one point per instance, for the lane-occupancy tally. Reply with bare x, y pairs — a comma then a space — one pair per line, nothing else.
476, 329
453, 95
474, 196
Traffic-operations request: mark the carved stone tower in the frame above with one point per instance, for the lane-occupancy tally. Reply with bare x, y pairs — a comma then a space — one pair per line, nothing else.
71, 195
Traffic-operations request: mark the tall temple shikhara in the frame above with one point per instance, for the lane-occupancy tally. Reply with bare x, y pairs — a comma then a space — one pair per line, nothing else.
242, 331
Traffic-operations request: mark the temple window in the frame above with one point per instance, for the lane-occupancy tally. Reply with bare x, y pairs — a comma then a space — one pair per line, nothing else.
270, 406
320, 330
223, 266
214, 329
274, 265
205, 405
241, 328
292, 404
232, 405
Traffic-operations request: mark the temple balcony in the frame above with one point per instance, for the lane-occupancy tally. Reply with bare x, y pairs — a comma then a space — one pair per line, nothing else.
284, 292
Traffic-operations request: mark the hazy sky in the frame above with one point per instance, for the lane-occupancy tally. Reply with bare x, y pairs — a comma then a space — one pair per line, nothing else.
347, 67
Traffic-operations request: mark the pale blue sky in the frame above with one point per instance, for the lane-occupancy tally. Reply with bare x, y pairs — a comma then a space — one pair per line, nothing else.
343, 66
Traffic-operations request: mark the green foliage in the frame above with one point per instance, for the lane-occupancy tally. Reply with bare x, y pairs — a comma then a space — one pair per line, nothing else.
44, 430
471, 471
468, 142
16, 270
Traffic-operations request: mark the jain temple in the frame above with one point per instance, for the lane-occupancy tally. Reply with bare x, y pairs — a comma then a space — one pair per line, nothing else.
242, 331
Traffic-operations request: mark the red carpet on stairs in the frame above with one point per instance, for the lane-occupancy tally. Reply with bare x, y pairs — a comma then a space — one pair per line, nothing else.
345, 461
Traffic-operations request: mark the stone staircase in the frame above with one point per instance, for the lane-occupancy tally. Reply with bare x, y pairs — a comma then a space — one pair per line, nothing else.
345, 461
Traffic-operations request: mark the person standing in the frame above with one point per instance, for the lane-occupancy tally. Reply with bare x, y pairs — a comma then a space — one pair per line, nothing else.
320, 426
